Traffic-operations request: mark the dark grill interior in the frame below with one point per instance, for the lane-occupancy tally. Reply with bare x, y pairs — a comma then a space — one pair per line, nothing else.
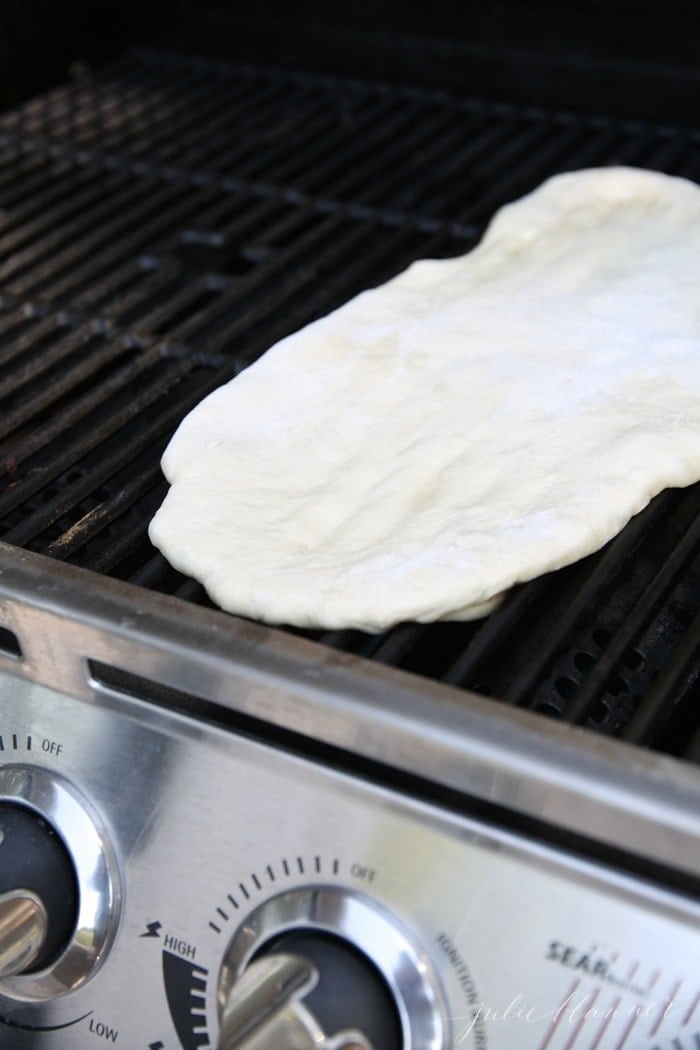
164, 222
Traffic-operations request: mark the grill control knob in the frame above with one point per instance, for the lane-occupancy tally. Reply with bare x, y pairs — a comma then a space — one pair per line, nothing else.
23, 925
59, 887
39, 902
269, 1011
323, 968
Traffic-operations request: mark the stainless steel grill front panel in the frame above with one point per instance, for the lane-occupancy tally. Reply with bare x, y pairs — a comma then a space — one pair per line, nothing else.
527, 946
522, 943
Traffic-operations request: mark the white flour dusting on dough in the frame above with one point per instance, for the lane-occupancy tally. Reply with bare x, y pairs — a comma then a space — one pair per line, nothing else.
472, 423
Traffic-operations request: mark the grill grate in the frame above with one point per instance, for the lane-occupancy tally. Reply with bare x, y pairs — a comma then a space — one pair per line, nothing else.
164, 222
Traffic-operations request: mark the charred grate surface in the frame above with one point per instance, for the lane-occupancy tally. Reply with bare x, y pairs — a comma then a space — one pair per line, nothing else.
165, 221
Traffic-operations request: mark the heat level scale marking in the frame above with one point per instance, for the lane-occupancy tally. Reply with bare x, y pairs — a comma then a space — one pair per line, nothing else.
691, 1010
663, 1011
554, 1023
607, 1018
637, 1013
628, 1030
16, 746
185, 988
257, 883
590, 1005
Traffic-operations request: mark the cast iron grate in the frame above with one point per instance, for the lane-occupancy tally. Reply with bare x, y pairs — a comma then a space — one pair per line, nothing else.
165, 221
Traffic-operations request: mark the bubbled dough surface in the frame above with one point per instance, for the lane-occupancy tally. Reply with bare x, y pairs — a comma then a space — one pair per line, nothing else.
472, 423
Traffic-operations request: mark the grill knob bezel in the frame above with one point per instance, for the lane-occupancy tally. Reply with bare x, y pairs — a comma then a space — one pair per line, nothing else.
99, 882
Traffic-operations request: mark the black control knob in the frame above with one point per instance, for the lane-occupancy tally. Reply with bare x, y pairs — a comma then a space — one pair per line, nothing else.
350, 993
326, 968
38, 892
309, 989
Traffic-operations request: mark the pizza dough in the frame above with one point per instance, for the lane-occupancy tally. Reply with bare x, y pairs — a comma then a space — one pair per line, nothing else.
472, 423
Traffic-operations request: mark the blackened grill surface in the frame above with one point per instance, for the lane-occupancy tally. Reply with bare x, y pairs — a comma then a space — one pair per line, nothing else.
164, 222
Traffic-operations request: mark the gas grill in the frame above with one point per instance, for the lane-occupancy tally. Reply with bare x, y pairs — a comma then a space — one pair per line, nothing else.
475, 834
